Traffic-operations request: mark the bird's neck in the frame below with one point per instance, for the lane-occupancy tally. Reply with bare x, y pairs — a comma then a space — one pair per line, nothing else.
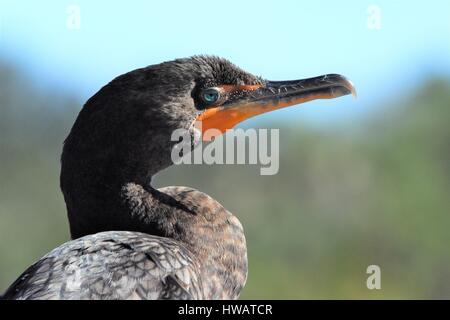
105, 193
92, 182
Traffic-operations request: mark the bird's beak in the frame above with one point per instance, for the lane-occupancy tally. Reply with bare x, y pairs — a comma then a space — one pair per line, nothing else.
244, 102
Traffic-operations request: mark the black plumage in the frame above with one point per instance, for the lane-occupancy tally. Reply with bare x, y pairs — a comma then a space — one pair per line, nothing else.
120, 139
132, 241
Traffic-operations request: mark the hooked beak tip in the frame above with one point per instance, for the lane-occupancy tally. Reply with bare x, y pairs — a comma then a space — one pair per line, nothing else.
352, 89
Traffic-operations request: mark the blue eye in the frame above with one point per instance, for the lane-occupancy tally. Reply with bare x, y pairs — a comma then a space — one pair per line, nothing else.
210, 95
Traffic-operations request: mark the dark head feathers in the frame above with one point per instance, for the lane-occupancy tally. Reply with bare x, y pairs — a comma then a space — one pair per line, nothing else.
224, 71
211, 69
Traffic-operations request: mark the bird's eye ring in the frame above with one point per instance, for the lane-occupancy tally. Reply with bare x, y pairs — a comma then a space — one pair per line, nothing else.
210, 95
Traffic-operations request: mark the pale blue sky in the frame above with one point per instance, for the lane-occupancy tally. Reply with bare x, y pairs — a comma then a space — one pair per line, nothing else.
274, 39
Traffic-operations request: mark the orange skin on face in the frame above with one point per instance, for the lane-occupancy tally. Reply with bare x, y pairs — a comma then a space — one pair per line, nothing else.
221, 119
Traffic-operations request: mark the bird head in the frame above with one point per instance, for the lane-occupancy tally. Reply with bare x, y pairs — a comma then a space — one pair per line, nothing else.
226, 95
131, 119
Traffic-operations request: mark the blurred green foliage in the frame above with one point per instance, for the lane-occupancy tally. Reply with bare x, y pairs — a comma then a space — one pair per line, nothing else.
347, 196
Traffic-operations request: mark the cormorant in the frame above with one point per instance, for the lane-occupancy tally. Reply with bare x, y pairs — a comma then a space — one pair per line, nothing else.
132, 241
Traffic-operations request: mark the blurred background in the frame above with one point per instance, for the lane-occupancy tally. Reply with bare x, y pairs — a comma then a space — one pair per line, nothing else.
361, 182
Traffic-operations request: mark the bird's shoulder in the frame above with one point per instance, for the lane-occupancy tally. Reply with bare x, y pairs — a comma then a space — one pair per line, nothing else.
112, 265
200, 202
194, 203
